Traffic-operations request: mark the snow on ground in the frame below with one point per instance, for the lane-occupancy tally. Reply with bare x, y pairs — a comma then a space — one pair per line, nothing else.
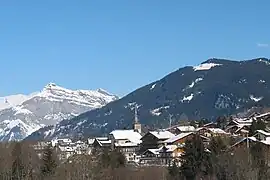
256, 99
95, 99
264, 61
153, 86
20, 110
194, 82
156, 112
19, 123
205, 66
188, 98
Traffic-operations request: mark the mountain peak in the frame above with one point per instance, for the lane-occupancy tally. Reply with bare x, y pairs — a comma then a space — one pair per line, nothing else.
103, 91
51, 85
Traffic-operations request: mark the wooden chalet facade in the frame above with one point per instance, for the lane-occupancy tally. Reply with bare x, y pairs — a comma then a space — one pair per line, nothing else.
154, 140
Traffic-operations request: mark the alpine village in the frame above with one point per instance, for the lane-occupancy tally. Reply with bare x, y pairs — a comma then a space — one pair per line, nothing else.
229, 148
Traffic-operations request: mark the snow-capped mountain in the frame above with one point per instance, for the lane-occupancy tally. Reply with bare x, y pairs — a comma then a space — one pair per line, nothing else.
21, 115
213, 88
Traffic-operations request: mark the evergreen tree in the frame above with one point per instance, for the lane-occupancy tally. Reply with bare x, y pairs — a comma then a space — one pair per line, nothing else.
258, 160
117, 159
17, 164
221, 122
173, 171
193, 123
195, 160
217, 145
49, 163
256, 125
202, 122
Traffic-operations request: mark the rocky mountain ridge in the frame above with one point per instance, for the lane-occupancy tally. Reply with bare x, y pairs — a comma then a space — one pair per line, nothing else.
213, 88
48, 107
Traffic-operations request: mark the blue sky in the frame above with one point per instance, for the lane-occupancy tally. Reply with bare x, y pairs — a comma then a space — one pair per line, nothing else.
122, 45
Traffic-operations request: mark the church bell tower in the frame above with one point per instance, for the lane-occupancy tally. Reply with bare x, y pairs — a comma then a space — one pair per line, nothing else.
137, 126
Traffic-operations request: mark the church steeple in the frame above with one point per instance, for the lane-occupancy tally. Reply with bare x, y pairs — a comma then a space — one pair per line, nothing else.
137, 126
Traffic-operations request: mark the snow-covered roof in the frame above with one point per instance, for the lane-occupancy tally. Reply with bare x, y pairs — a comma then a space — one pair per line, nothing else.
126, 144
262, 115
103, 142
243, 121
130, 135
186, 128
245, 139
217, 130
162, 134
102, 138
266, 141
263, 132
213, 130
154, 151
176, 138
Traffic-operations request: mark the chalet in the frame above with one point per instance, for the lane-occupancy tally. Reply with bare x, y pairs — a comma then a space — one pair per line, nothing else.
244, 143
161, 156
127, 142
211, 132
150, 157
64, 151
240, 129
240, 122
169, 152
63, 141
154, 139
179, 140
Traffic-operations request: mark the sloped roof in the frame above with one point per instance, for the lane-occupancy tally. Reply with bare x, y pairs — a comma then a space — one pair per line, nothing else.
126, 144
186, 128
214, 130
217, 130
263, 132
176, 138
162, 134
245, 139
130, 135
154, 151
267, 141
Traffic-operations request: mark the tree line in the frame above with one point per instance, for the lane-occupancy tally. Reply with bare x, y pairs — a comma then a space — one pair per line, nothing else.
218, 161
215, 161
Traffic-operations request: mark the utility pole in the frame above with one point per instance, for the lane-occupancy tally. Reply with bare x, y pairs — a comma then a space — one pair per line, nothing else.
170, 120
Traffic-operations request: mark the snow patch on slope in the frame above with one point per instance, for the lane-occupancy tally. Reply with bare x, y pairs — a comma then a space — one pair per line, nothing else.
188, 98
264, 61
153, 86
194, 82
156, 112
256, 99
21, 110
